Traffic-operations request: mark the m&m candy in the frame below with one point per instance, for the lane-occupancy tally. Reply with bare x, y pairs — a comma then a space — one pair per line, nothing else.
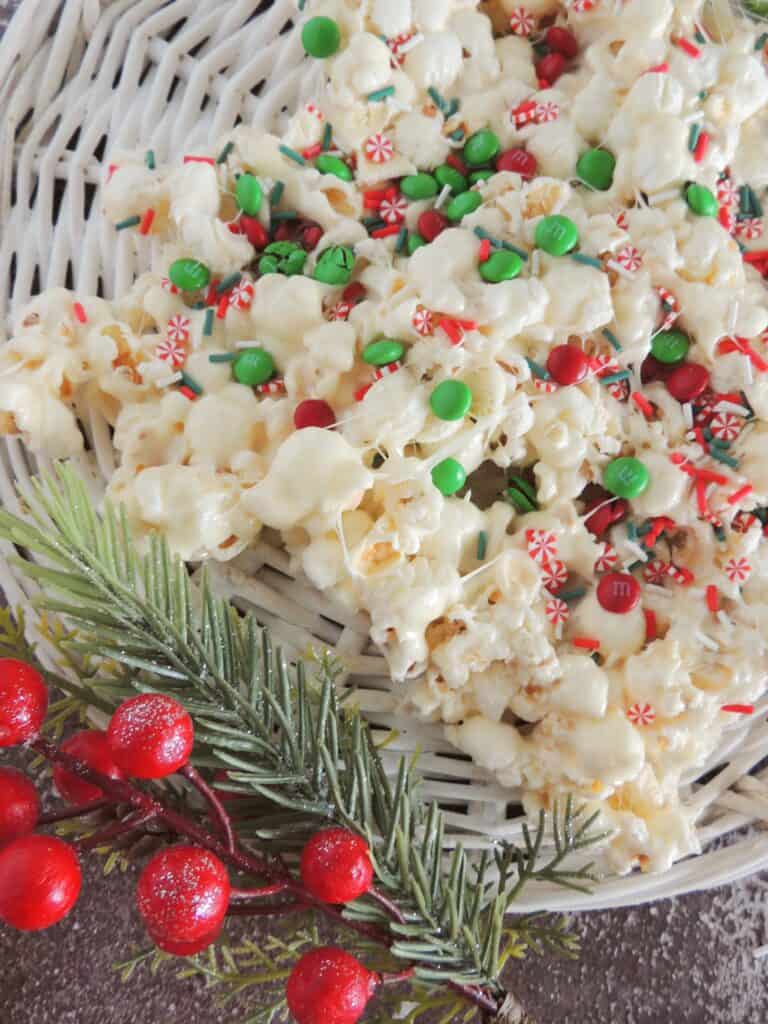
501, 266
448, 476
518, 160
189, 275
626, 477
451, 400
313, 412
321, 37
253, 366
618, 592
383, 352
248, 193
595, 168
687, 381
430, 224
567, 364
481, 148
701, 200
556, 235
670, 346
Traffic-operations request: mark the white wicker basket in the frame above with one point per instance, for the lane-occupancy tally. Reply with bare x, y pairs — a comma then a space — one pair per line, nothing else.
83, 80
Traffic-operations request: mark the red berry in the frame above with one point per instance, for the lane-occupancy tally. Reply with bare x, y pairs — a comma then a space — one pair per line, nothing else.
603, 518
23, 702
19, 805
150, 736
551, 67
687, 381
329, 986
182, 895
618, 592
430, 224
651, 369
519, 160
313, 412
354, 293
92, 748
560, 40
254, 231
39, 882
336, 865
567, 364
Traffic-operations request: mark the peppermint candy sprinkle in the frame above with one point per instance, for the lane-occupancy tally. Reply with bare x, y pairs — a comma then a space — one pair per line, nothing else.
547, 386
521, 21
542, 545
171, 352
655, 571
737, 570
423, 321
340, 311
241, 296
178, 328
379, 148
554, 574
750, 228
393, 211
629, 257
276, 386
607, 558
641, 714
725, 426
726, 192
546, 112
557, 611
167, 286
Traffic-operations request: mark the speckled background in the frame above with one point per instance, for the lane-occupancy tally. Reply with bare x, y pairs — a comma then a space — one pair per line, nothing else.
684, 961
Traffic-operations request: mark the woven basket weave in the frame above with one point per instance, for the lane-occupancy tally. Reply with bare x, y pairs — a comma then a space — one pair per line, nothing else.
78, 83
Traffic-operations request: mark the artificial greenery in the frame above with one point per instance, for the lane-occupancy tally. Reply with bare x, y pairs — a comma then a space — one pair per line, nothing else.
296, 753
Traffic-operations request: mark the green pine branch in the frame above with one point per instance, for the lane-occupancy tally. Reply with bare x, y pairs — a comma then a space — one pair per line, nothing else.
299, 755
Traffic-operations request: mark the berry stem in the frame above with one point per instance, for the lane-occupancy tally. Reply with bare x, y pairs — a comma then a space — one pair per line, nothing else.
384, 901
65, 813
267, 910
217, 808
252, 894
393, 979
118, 828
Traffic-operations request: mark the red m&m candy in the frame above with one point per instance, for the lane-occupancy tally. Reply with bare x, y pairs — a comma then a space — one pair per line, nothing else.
687, 381
313, 412
652, 369
518, 160
560, 40
618, 592
551, 67
354, 293
567, 364
431, 223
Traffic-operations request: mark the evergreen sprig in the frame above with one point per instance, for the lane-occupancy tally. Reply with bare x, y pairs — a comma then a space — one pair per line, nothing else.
299, 755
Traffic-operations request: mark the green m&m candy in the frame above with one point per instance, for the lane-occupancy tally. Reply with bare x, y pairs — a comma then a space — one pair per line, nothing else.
283, 258
701, 200
419, 186
415, 241
321, 37
501, 266
383, 352
626, 477
483, 175
595, 168
670, 346
455, 180
481, 148
328, 164
522, 495
448, 476
335, 265
189, 275
556, 235
253, 366
451, 400
461, 205
248, 194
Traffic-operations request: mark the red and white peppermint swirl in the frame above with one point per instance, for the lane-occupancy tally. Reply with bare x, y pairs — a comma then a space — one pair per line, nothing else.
641, 714
547, 386
603, 365
553, 575
241, 296
393, 210
583, 6
423, 321
378, 148
737, 570
726, 192
607, 558
178, 328
542, 545
395, 43
171, 352
386, 371
751, 228
705, 407
522, 22
629, 257
340, 311
655, 571
557, 611
276, 386
546, 112
619, 389
726, 426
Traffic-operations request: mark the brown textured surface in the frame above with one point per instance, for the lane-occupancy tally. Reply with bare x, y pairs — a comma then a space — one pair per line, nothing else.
684, 961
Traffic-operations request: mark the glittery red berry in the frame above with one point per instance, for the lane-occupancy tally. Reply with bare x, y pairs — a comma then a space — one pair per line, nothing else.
336, 865
39, 882
150, 736
92, 748
329, 986
182, 896
19, 805
23, 702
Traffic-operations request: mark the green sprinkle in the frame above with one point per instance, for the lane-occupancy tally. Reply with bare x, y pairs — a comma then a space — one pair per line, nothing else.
641, 530
536, 369
208, 325
302, 4
757, 209
612, 340
572, 595
381, 94
327, 136
229, 282
703, 94
224, 154
374, 224
631, 531
722, 457
612, 378
285, 215
482, 545
149, 159
129, 222
761, 41
745, 200
693, 136
292, 155
589, 261
497, 243
720, 533
277, 193
457, 135
402, 239
716, 442
453, 108
191, 383
699, 36
437, 99
222, 357
635, 565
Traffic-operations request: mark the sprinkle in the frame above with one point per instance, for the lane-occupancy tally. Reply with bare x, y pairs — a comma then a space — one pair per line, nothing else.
111, 170
457, 135
284, 215
641, 714
381, 94
229, 282
687, 47
208, 323
572, 595
693, 136
761, 41
589, 261
702, 147
327, 136
537, 369
276, 386
310, 152
166, 382
482, 545
737, 496
452, 328
363, 391
277, 193
619, 269
224, 154
453, 108
612, 340
129, 222
755, 255
699, 35
79, 310
292, 155
713, 598
386, 231
663, 197
437, 99
223, 306
611, 378
738, 570
643, 404
651, 627
188, 393
199, 160
146, 222
191, 383
149, 159
535, 262
484, 252
586, 643
222, 357
497, 243
658, 69
444, 193
402, 239
739, 709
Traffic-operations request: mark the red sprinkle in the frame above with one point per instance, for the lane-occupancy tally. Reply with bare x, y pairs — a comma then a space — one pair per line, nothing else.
713, 598
146, 222
221, 309
484, 252
659, 525
354, 292
312, 151
390, 229
701, 497
79, 310
658, 69
372, 199
739, 709
452, 328
742, 345
363, 391
200, 160
698, 433
188, 393
701, 147
735, 498
643, 405
111, 170
587, 643
686, 47
755, 256
211, 298
651, 627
